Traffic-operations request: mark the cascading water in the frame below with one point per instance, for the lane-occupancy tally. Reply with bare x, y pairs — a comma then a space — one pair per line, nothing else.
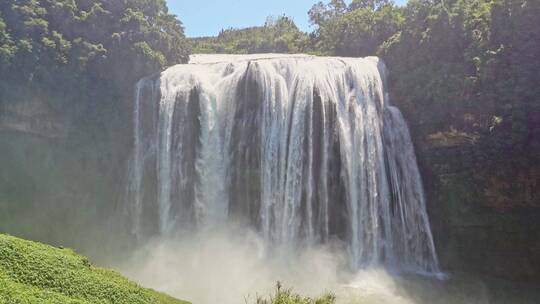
303, 148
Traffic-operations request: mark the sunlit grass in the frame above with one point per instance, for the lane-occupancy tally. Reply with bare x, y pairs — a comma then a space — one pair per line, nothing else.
36, 273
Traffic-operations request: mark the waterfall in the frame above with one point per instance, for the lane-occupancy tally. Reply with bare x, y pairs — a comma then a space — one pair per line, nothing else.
302, 148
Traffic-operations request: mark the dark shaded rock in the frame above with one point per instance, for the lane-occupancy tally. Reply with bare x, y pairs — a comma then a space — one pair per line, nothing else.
484, 203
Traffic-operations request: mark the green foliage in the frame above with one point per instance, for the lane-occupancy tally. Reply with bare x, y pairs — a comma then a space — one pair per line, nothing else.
357, 30
320, 12
278, 35
7, 46
97, 44
286, 296
36, 273
369, 4
470, 56
453, 64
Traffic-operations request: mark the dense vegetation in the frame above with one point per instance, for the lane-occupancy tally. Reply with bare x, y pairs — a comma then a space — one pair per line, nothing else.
36, 273
472, 68
89, 49
277, 35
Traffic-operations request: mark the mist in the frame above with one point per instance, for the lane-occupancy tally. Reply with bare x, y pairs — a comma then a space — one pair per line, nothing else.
231, 265
234, 265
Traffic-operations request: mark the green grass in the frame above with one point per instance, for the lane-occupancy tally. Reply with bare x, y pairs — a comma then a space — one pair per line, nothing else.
36, 273
287, 296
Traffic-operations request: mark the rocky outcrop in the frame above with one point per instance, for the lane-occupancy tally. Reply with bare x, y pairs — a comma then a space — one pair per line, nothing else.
33, 117
484, 206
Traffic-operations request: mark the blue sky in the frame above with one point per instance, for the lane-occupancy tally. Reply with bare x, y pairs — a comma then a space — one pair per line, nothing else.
208, 17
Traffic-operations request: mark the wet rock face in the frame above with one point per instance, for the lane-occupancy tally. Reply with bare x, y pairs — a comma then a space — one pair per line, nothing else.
245, 151
58, 182
484, 207
32, 117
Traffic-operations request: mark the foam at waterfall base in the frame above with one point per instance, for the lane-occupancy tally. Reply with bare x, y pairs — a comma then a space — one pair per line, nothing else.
234, 265
228, 265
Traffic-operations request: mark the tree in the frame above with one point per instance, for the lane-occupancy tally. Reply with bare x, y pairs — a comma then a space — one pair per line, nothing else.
105, 45
369, 4
277, 35
358, 30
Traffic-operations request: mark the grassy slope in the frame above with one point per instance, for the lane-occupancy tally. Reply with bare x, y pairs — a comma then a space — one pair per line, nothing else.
35, 273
